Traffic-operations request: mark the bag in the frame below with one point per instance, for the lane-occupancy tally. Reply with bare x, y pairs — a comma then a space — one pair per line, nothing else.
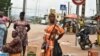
57, 51
44, 46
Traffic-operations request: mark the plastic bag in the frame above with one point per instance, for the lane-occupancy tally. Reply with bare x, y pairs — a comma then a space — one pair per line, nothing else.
57, 51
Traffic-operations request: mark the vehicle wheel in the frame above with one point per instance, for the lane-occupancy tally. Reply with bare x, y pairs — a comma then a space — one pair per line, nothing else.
82, 46
90, 44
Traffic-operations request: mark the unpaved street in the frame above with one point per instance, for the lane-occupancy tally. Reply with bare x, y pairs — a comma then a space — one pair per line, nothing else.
67, 42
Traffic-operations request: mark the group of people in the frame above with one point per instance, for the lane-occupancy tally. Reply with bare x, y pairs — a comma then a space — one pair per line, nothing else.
71, 25
50, 46
19, 34
53, 33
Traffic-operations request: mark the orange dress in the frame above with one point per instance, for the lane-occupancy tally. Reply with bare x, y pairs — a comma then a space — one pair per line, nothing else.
50, 42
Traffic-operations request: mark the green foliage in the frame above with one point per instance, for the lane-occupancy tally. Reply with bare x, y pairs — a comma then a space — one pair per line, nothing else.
4, 5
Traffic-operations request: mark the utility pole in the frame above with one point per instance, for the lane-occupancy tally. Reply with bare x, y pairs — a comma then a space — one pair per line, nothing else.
77, 28
83, 9
9, 12
92, 11
77, 10
36, 10
98, 6
68, 8
24, 5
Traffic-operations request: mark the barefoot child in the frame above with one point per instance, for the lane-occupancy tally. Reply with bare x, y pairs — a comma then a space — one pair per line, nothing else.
15, 46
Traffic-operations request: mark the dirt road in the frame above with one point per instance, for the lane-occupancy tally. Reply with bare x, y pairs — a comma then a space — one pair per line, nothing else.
67, 42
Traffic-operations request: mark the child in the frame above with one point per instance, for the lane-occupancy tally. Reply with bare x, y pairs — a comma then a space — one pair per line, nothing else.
15, 46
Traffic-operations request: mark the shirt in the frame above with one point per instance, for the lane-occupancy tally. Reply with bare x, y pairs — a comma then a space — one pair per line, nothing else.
4, 19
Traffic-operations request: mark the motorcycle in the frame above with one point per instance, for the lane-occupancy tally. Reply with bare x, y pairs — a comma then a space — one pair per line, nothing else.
83, 39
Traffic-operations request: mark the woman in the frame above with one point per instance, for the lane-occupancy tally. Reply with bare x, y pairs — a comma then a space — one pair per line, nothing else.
3, 29
22, 27
50, 35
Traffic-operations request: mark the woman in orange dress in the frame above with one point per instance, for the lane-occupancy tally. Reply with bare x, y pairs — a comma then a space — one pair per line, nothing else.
51, 32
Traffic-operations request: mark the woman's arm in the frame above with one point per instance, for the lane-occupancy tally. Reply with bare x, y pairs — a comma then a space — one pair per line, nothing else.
28, 27
14, 26
60, 32
10, 21
59, 37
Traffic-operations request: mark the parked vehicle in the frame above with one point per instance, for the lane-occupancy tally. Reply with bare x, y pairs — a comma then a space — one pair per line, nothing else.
92, 25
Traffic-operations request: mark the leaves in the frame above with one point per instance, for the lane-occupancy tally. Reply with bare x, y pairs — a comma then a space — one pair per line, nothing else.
4, 5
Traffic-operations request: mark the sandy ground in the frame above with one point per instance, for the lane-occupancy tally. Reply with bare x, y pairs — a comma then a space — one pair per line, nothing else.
67, 42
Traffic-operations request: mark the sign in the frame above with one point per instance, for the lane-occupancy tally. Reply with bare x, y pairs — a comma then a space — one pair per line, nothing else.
63, 7
78, 2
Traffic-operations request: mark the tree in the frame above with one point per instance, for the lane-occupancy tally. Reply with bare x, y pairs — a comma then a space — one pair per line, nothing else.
5, 6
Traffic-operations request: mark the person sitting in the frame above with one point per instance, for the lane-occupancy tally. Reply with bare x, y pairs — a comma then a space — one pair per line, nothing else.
15, 46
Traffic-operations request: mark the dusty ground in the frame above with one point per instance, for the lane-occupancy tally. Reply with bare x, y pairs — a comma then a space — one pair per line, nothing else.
67, 42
